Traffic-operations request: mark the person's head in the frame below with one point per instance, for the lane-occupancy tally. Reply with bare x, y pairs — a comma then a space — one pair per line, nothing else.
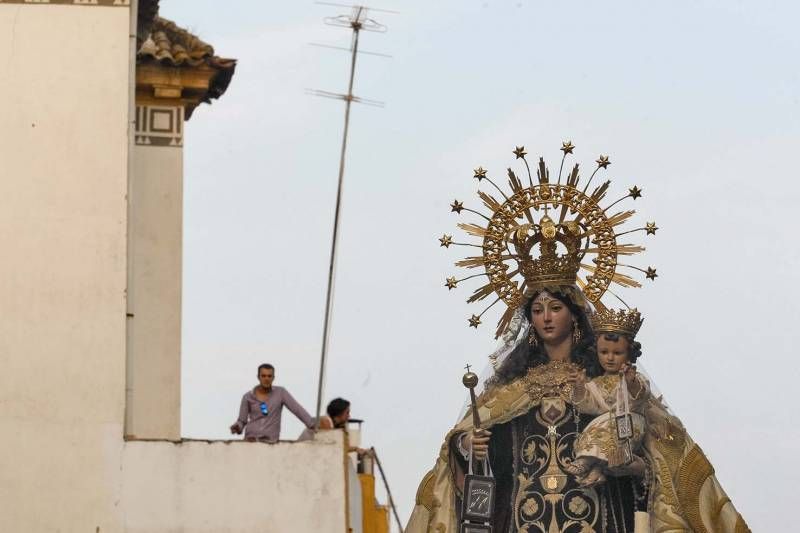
554, 317
551, 318
339, 411
266, 374
615, 350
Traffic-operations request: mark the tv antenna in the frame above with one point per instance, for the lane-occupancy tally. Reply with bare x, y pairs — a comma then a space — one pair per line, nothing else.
358, 20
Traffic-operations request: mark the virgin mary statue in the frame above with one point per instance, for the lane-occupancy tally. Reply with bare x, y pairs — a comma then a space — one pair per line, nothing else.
534, 246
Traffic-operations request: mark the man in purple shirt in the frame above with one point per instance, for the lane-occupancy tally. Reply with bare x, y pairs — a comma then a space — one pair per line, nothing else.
260, 411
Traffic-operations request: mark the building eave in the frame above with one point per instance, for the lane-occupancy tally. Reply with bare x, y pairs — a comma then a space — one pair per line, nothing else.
174, 66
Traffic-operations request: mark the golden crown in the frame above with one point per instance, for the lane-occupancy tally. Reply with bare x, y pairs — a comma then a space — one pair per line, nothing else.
543, 234
622, 321
550, 268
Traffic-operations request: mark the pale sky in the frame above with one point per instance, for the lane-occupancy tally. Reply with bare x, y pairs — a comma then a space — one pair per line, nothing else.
694, 102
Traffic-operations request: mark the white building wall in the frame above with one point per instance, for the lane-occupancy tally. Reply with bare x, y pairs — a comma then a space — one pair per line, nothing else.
64, 466
155, 280
354, 499
235, 487
63, 175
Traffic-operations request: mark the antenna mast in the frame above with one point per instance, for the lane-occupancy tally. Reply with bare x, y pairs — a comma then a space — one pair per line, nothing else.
357, 21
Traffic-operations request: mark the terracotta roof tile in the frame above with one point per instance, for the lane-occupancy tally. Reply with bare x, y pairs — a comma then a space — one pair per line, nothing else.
146, 14
173, 46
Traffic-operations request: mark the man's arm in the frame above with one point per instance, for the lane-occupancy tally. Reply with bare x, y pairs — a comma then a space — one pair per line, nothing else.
241, 422
297, 409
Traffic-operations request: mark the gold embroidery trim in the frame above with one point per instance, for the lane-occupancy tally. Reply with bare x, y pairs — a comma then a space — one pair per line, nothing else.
667, 489
718, 510
607, 383
671, 448
599, 436
550, 380
425, 495
692, 474
741, 527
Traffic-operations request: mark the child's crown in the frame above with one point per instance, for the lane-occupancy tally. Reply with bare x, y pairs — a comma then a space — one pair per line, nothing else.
622, 321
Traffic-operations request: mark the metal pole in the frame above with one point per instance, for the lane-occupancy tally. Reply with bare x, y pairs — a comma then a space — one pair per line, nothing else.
356, 25
388, 492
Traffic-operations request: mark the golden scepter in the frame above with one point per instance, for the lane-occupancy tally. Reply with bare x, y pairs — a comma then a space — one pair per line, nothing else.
470, 381
479, 490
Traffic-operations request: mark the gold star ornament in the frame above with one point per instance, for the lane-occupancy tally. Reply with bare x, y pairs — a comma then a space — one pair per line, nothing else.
579, 246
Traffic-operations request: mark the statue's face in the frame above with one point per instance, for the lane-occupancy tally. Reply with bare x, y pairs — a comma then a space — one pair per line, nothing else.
551, 318
612, 354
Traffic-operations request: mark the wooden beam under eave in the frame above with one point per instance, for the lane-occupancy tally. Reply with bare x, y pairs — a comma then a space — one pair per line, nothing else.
185, 77
146, 97
186, 86
160, 91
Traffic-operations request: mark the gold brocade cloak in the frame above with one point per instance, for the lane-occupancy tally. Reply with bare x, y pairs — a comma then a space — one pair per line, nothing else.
686, 496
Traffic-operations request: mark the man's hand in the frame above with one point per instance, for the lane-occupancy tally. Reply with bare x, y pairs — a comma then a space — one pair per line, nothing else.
363, 452
478, 442
236, 430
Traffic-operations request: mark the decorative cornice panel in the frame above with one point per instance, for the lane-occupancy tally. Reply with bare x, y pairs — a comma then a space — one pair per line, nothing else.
159, 126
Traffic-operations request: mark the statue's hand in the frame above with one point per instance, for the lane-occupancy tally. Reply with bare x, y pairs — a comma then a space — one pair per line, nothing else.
634, 387
577, 377
578, 381
636, 468
629, 371
477, 441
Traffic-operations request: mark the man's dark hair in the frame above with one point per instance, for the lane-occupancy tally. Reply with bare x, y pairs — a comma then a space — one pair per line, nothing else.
265, 365
337, 407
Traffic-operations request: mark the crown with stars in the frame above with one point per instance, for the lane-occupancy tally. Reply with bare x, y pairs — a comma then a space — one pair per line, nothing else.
621, 321
546, 235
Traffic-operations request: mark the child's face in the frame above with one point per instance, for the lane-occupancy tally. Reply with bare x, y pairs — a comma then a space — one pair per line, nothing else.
612, 354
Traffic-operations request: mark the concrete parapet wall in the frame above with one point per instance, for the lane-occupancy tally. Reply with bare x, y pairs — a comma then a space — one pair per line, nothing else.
234, 487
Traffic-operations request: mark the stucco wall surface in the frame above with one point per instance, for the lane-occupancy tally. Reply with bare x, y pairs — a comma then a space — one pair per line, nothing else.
63, 181
154, 402
235, 487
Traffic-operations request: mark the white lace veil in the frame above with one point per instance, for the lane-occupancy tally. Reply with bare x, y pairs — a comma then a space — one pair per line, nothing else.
517, 332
